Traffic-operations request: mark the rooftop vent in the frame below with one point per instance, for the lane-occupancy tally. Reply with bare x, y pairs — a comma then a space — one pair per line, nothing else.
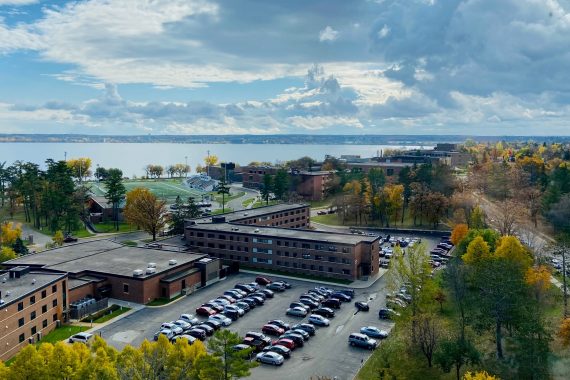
172, 262
138, 272
151, 265
3, 280
33, 281
245, 214
256, 230
8, 293
150, 270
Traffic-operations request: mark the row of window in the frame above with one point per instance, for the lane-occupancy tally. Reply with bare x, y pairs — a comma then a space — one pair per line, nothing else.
33, 298
319, 268
22, 320
33, 330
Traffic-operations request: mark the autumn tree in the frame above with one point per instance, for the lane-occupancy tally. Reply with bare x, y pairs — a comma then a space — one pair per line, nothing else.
564, 332
145, 210
481, 375
458, 233
9, 233
477, 219
477, 251
539, 280
6, 253
57, 238
234, 364
80, 167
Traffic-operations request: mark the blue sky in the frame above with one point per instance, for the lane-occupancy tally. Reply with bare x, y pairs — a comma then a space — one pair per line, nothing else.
482, 67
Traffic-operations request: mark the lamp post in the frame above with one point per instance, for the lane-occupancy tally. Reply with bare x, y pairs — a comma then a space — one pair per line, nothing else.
186, 168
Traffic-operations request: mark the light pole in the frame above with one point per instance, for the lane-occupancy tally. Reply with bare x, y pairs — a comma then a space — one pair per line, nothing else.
208, 164
65, 156
186, 168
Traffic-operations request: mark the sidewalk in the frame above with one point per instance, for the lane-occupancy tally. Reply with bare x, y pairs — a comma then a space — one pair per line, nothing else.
98, 326
358, 284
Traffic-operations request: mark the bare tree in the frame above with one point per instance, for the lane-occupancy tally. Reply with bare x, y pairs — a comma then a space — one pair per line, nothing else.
508, 214
429, 332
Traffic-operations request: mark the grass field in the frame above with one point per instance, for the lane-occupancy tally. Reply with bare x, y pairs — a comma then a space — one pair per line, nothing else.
165, 189
62, 333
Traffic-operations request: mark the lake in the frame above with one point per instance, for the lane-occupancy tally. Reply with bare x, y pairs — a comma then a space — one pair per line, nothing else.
132, 158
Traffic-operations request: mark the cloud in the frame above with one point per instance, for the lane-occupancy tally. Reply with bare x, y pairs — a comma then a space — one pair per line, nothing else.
328, 34
314, 123
17, 2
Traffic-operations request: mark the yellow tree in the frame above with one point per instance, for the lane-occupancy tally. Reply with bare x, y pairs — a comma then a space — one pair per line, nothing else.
539, 279
394, 196
9, 232
564, 332
481, 375
477, 251
80, 167
28, 364
6, 253
58, 238
458, 233
510, 248
210, 160
143, 209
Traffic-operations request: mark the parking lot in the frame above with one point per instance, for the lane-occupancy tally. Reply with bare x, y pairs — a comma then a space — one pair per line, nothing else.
325, 354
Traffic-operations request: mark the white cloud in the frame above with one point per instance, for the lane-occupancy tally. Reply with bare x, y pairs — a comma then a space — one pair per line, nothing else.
315, 123
382, 33
17, 2
328, 34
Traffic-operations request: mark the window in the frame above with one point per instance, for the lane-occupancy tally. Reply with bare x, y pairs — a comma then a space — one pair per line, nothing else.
44, 309
21, 322
32, 315
278, 262
305, 245
210, 236
222, 237
221, 246
44, 323
319, 246
330, 269
231, 237
210, 245
262, 250
345, 271
345, 261
320, 268
312, 267
264, 241
32, 300
294, 254
20, 306
306, 256
295, 265
286, 244
54, 302
278, 253
246, 239
200, 234
317, 257
126, 288
286, 263
303, 266
245, 249
21, 338
44, 294
278, 242
287, 254
34, 330
54, 318
191, 233
332, 259
54, 288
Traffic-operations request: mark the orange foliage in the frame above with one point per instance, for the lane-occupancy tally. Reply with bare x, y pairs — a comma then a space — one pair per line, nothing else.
564, 332
459, 232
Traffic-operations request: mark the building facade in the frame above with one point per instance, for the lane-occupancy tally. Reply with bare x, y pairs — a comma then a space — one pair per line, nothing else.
32, 304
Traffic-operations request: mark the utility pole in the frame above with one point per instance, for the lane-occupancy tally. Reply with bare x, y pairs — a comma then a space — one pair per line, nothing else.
208, 164
186, 168
65, 156
563, 250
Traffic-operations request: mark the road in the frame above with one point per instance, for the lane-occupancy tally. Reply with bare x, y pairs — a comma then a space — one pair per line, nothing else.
326, 354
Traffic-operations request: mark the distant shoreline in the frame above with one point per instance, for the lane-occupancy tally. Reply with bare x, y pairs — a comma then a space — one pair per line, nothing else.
270, 139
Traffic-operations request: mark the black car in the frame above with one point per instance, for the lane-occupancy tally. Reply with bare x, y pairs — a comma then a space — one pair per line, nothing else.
332, 303
259, 293
197, 333
268, 293
348, 292
305, 326
325, 312
246, 288
281, 350
207, 328
243, 305
258, 336
297, 338
69, 238
309, 302
233, 315
386, 313
279, 323
213, 324
341, 296
362, 306
250, 301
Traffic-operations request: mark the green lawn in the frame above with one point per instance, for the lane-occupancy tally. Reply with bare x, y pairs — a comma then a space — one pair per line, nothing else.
336, 220
219, 211
130, 243
321, 203
262, 203
167, 189
110, 227
297, 275
162, 301
247, 202
218, 197
112, 315
62, 333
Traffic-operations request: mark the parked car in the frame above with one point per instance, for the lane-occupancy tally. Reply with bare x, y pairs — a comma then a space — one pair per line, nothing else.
341, 296
260, 294
254, 285
188, 318
239, 291
299, 304
361, 340
305, 326
280, 323
270, 358
284, 283
183, 324
306, 336
272, 330
297, 311
257, 344
318, 320
247, 350
374, 332
258, 299
262, 280
285, 342
197, 333
386, 313
85, 338
332, 303
362, 306
348, 292
298, 339
205, 311
216, 325
281, 350
309, 302
258, 336
229, 298
277, 287
246, 288
188, 338
243, 305
232, 314
233, 295
167, 333
236, 309
324, 311
268, 293
314, 296
177, 330
208, 329
225, 321
217, 307
221, 301
250, 301
69, 238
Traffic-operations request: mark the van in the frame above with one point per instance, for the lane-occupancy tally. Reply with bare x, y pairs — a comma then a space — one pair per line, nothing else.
361, 340
332, 302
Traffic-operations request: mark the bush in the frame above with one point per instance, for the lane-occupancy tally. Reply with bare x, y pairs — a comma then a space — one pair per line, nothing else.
101, 313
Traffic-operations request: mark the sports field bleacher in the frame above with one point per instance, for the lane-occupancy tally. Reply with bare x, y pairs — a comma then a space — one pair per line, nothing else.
164, 189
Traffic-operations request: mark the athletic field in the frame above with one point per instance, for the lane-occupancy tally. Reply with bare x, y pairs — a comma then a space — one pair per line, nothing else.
165, 189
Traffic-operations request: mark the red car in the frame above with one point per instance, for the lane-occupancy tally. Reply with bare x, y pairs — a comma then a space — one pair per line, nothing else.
262, 280
205, 311
272, 330
285, 342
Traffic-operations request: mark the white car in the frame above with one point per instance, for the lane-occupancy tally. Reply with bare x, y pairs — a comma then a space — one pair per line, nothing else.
297, 311
374, 332
81, 338
177, 330
225, 321
185, 326
318, 320
240, 311
270, 357
167, 333
189, 338
190, 318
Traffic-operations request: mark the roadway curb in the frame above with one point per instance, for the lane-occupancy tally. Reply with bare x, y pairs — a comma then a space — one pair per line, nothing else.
99, 326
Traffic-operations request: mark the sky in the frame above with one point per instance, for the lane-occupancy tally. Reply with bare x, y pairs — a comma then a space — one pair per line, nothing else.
132, 67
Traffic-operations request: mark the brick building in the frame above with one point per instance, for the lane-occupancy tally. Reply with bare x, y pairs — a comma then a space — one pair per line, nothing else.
312, 186
31, 304
103, 268
276, 237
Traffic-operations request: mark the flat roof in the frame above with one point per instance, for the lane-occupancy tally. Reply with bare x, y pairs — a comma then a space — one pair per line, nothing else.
16, 288
381, 164
253, 212
287, 233
105, 257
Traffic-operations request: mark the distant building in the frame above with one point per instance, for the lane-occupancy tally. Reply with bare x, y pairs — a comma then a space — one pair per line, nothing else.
252, 176
31, 305
100, 210
201, 182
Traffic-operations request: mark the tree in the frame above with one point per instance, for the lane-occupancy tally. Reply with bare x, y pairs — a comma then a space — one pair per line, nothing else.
481, 375
58, 238
115, 193
458, 233
266, 188
80, 167
564, 332
477, 219
9, 233
234, 364
6, 253
510, 248
19, 247
224, 190
182, 212
101, 173
456, 353
477, 251
429, 331
280, 183
539, 280
144, 210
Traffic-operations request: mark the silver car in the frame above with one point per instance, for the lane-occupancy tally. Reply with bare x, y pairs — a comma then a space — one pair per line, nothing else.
190, 318
297, 311
225, 321
270, 357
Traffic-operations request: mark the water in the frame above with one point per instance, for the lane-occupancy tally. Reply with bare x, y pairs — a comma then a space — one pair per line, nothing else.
132, 158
